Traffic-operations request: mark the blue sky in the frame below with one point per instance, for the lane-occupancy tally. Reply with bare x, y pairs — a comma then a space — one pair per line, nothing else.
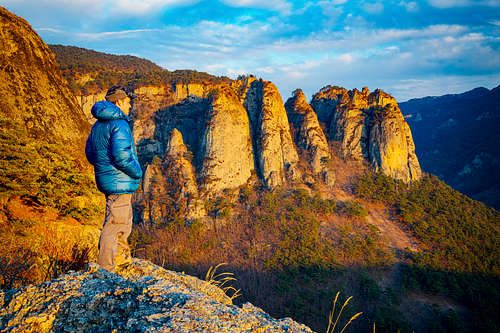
407, 48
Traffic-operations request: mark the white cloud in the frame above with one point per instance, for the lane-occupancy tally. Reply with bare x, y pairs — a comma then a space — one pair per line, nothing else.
331, 11
100, 35
142, 7
373, 8
88, 11
463, 3
281, 6
266, 70
411, 6
378, 58
346, 58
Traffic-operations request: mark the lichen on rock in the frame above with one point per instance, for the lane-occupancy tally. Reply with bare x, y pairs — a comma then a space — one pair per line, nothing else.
141, 297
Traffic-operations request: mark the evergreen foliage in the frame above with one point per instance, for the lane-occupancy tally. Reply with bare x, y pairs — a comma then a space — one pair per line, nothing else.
462, 233
43, 172
461, 249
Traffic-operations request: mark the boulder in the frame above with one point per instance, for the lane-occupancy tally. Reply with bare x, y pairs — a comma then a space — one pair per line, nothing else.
141, 297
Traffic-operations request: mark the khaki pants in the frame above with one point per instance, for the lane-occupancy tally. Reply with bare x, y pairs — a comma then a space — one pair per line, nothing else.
115, 231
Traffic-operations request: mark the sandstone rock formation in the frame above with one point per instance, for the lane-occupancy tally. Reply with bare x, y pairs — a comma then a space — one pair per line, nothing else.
142, 298
275, 153
33, 93
309, 135
86, 102
169, 187
369, 126
226, 147
182, 91
326, 100
391, 145
149, 100
188, 117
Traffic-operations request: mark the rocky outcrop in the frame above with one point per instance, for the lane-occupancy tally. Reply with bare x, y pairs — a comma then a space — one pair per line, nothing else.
326, 100
182, 91
86, 102
369, 126
226, 147
275, 153
169, 187
33, 93
308, 134
391, 146
149, 99
188, 117
142, 298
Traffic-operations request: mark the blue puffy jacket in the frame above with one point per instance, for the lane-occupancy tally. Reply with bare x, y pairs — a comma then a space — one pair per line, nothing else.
110, 149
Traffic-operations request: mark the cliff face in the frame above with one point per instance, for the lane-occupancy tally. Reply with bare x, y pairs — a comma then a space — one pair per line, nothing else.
142, 298
33, 93
226, 147
169, 187
87, 102
274, 150
369, 126
308, 134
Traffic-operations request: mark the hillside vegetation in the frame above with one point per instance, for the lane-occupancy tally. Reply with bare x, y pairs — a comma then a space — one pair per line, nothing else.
89, 71
44, 190
48, 199
292, 251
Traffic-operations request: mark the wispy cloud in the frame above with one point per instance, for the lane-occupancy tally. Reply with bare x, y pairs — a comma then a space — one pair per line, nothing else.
141, 7
100, 35
373, 8
410, 6
278, 5
463, 3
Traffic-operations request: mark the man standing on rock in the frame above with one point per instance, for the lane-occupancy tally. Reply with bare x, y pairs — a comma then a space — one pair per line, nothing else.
111, 150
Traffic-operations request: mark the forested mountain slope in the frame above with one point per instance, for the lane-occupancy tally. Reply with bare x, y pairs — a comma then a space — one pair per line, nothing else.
456, 138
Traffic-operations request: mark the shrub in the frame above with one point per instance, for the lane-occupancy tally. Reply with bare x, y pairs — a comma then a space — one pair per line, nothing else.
355, 209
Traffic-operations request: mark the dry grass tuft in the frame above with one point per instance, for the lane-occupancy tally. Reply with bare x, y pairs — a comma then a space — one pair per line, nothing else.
331, 328
220, 280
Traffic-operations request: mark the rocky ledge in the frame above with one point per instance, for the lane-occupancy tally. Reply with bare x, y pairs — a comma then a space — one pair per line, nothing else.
141, 297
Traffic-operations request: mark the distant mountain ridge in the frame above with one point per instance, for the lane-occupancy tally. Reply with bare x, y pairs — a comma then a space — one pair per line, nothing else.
457, 138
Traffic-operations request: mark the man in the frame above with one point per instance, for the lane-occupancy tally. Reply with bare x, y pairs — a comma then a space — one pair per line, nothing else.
111, 150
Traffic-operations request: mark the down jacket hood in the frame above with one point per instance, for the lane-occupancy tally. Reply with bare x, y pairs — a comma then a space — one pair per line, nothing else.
111, 150
105, 110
